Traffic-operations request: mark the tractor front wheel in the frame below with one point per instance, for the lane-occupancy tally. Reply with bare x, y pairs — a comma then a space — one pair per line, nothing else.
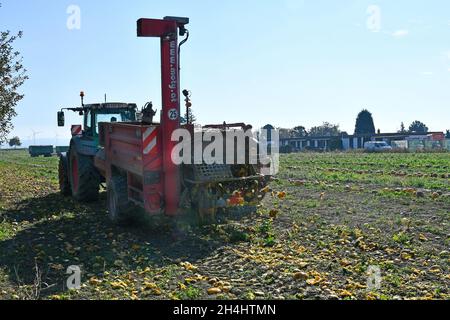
85, 179
117, 199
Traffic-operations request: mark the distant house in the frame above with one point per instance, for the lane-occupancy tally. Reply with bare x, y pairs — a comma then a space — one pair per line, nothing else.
348, 142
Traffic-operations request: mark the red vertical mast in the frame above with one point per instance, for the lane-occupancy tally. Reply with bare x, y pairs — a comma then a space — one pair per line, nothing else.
167, 31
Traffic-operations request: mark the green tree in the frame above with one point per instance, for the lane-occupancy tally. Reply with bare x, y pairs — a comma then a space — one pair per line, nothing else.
418, 127
300, 131
12, 76
402, 128
326, 129
447, 135
14, 142
285, 133
192, 118
364, 123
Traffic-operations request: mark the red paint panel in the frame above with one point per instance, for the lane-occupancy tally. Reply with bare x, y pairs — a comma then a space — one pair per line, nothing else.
124, 148
155, 28
170, 121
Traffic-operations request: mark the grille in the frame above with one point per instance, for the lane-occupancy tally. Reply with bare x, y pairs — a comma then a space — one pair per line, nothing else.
212, 172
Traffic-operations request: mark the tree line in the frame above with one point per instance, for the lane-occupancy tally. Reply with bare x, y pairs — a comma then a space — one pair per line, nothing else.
364, 125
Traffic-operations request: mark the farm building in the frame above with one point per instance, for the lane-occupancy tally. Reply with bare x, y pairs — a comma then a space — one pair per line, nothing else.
348, 142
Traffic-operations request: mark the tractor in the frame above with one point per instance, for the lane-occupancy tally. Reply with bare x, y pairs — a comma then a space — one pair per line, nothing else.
78, 176
135, 158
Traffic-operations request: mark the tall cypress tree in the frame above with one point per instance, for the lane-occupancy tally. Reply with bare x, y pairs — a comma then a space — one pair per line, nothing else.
364, 123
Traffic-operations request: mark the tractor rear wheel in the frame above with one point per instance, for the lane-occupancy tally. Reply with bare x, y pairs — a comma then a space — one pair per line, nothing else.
85, 179
117, 198
64, 184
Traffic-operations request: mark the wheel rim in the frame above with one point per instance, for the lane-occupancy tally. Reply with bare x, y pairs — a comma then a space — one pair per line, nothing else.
75, 173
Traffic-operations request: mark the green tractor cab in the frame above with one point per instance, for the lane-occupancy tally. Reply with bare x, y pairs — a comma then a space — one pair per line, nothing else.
77, 174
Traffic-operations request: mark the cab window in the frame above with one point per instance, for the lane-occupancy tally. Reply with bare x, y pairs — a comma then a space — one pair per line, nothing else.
114, 116
87, 121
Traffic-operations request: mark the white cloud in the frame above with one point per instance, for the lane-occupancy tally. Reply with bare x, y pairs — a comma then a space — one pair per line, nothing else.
400, 33
427, 73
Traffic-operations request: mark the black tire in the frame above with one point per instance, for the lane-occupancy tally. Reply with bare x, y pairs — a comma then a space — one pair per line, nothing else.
117, 199
64, 183
84, 179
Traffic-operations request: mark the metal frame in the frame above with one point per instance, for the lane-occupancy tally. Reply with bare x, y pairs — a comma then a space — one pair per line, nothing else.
167, 30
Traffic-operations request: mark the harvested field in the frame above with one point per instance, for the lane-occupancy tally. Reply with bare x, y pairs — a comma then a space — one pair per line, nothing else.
330, 224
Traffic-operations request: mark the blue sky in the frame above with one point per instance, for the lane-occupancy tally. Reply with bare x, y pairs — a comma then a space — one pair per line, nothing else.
282, 62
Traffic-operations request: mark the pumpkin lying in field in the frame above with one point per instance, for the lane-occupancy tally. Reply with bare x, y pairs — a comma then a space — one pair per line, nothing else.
281, 195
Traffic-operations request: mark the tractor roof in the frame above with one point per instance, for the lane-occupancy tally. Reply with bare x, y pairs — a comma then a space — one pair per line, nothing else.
111, 105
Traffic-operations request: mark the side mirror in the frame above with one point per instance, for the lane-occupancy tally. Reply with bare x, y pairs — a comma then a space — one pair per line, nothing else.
61, 119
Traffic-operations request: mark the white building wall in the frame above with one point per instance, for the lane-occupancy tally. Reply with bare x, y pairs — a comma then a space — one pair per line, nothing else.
345, 143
